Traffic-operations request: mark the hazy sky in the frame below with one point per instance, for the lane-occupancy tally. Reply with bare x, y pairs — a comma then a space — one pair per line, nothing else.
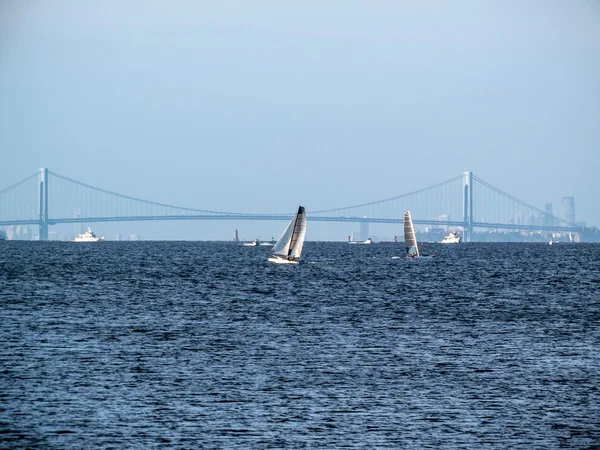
259, 106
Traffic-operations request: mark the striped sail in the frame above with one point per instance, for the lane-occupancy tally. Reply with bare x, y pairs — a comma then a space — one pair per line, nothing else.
410, 239
299, 233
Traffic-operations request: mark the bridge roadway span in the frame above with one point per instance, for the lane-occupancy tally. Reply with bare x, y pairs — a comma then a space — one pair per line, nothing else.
289, 217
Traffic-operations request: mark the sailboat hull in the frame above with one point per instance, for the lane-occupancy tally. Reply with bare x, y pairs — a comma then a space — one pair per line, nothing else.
282, 261
420, 258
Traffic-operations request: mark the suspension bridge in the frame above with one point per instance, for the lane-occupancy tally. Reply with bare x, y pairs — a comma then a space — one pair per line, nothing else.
46, 198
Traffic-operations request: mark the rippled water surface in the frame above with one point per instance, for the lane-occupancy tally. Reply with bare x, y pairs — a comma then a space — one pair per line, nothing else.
199, 344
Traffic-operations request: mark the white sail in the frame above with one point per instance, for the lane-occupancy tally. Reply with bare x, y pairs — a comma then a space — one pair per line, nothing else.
282, 245
410, 239
292, 239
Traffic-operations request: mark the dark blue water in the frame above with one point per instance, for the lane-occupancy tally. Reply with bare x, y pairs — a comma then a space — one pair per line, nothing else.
194, 344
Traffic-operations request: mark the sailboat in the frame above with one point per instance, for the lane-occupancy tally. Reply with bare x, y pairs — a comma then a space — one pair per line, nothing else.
352, 241
288, 249
555, 239
410, 239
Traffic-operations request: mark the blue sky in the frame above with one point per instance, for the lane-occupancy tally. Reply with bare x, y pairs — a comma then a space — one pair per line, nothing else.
202, 103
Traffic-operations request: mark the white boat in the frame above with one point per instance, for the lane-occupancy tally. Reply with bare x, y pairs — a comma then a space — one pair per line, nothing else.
556, 239
88, 236
410, 239
288, 248
452, 238
254, 243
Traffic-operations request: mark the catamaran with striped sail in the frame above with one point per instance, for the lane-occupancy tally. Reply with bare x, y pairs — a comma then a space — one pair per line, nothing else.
410, 239
288, 249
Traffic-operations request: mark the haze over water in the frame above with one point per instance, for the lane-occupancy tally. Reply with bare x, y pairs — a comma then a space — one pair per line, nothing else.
258, 107
200, 344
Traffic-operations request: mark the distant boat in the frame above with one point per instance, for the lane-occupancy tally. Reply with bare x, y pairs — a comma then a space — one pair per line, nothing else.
352, 241
452, 238
88, 236
235, 236
288, 249
410, 239
554, 240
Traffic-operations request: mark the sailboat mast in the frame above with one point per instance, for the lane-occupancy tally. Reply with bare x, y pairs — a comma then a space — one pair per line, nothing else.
294, 233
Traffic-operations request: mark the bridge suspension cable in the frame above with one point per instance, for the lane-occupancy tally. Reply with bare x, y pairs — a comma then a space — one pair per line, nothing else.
127, 197
24, 180
521, 202
387, 199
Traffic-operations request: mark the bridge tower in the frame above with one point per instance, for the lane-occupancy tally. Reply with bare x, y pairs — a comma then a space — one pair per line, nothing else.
468, 205
43, 203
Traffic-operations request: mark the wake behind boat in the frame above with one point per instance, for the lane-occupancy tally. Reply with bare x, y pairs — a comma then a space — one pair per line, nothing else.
268, 243
88, 236
288, 249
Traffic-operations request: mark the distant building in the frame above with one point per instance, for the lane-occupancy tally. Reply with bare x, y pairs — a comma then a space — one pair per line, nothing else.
519, 219
19, 233
364, 230
568, 209
535, 219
